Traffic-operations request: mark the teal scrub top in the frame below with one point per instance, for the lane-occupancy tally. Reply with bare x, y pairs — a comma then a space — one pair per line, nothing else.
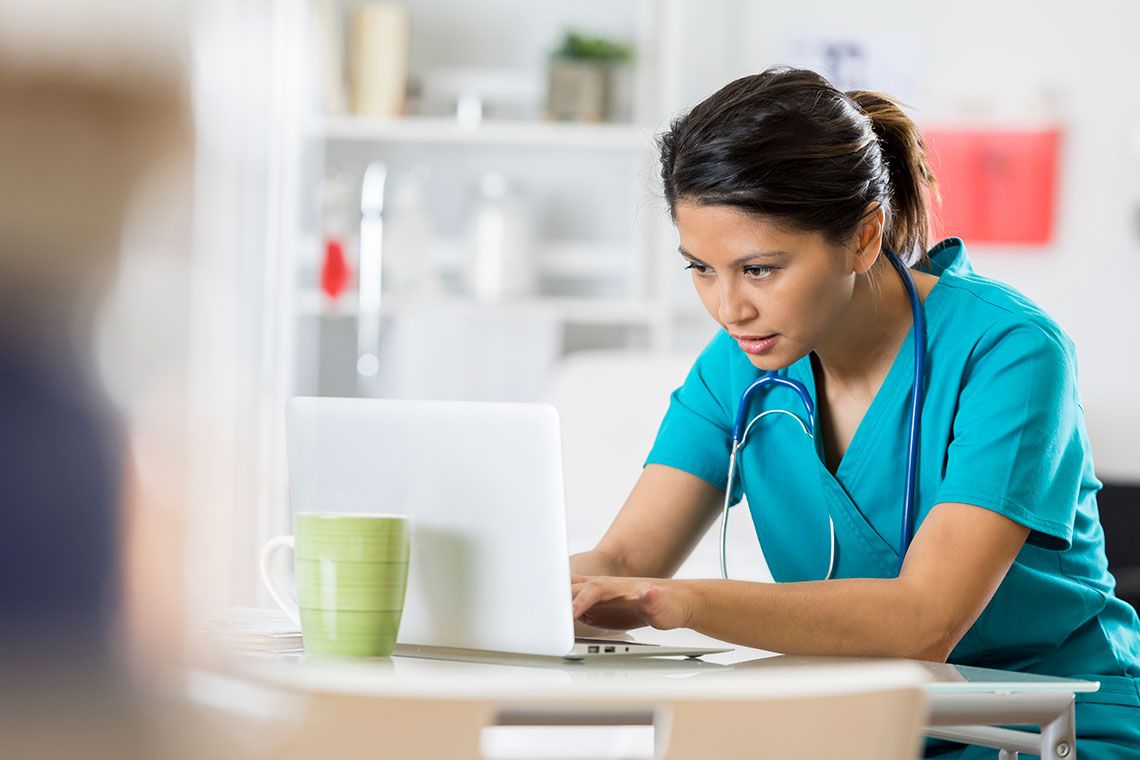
1002, 429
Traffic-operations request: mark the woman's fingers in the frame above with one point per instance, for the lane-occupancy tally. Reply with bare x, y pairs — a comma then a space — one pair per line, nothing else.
587, 594
628, 592
626, 602
600, 590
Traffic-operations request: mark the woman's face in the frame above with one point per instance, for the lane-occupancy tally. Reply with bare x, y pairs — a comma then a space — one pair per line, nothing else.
780, 293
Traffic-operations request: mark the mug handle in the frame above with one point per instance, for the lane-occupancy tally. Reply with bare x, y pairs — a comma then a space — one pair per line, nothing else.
279, 594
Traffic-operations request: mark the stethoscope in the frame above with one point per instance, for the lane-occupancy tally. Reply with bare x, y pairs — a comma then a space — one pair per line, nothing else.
740, 431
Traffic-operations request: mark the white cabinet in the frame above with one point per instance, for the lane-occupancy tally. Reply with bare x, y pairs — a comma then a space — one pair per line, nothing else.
602, 247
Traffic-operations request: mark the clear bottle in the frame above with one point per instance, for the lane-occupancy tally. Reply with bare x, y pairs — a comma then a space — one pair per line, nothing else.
410, 267
499, 243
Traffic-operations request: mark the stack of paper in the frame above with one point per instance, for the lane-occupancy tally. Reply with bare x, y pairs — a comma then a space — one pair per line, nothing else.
254, 629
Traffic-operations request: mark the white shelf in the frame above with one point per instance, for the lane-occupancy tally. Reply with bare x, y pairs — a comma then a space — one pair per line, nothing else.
416, 129
556, 259
585, 311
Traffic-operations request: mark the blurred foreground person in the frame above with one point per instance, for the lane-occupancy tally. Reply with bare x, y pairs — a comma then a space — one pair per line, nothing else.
89, 106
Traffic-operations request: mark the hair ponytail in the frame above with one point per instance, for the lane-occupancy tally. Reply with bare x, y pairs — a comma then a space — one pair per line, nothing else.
787, 145
911, 181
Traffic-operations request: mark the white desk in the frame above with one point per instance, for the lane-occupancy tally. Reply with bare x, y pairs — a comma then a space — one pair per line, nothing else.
966, 704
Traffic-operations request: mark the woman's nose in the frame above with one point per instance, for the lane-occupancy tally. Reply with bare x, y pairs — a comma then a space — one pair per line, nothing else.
734, 308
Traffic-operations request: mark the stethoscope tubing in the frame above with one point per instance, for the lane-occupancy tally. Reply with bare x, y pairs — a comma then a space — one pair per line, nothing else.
917, 397
740, 430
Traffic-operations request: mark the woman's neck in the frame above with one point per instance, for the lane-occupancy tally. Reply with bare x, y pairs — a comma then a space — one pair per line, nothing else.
871, 330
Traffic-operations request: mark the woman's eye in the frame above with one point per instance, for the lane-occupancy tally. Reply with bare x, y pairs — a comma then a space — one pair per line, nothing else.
758, 272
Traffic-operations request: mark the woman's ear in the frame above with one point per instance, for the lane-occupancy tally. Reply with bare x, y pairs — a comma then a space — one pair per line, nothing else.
870, 239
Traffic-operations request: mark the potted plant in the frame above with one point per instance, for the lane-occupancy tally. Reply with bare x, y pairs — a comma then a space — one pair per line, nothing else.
589, 79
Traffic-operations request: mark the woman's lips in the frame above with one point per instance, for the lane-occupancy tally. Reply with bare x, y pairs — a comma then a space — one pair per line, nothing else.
751, 344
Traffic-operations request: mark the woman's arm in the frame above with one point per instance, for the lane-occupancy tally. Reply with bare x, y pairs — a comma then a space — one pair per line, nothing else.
957, 560
665, 515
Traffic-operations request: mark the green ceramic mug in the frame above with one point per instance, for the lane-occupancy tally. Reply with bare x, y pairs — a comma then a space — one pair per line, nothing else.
352, 572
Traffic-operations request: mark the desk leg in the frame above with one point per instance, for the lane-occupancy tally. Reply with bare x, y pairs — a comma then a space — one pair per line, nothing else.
1059, 736
951, 716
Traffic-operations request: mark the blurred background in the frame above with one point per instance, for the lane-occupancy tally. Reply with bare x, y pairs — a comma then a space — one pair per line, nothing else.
210, 207
449, 200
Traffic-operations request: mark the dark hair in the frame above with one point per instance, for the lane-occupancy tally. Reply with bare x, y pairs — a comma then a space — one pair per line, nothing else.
788, 145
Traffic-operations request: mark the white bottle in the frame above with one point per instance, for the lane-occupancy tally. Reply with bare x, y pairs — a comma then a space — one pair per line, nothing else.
410, 268
499, 242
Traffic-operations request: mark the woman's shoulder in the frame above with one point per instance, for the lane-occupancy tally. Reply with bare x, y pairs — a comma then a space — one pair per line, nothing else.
986, 313
974, 309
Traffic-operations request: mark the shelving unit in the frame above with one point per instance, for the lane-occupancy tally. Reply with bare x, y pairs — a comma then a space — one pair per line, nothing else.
568, 310
578, 267
415, 129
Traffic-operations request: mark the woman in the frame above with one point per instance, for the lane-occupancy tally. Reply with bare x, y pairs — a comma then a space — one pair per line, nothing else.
788, 196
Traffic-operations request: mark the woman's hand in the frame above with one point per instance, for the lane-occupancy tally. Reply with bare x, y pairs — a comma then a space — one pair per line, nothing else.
624, 603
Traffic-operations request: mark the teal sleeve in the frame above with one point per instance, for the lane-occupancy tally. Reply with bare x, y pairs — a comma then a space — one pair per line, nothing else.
1017, 446
695, 435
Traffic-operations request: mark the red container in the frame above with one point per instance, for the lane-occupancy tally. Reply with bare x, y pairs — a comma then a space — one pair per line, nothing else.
334, 269
998, 186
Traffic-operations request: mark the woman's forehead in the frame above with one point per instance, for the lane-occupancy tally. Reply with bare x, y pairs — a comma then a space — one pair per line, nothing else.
718, 230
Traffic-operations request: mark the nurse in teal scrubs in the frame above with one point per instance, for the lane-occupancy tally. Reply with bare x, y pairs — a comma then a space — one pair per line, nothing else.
786, 192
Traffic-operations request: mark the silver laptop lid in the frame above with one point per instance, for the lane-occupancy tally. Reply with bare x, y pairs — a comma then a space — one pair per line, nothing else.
483, 485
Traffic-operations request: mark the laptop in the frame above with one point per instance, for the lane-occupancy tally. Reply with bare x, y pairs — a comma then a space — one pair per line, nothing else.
482, 484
